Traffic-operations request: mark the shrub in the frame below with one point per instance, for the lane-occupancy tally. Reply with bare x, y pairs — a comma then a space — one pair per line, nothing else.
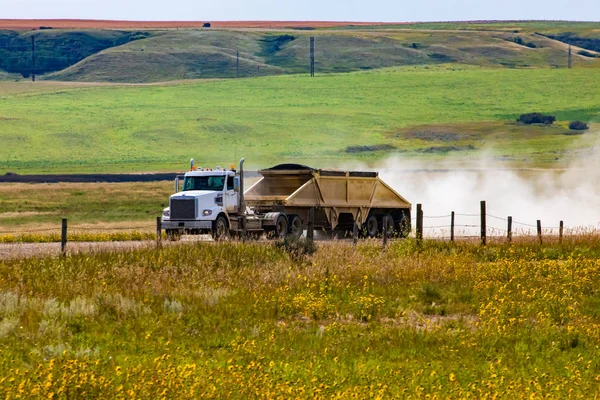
536, 118
586, 54
578, 126
298, 248
206, 25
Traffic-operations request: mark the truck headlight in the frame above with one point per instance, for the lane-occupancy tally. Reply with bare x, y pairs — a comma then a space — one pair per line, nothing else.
167, 212
219, 200
206, 213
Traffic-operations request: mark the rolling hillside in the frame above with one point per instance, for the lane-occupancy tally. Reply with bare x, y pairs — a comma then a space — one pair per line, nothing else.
178, 54
194, 54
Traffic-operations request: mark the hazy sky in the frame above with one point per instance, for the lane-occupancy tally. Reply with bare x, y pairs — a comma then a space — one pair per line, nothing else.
349, 10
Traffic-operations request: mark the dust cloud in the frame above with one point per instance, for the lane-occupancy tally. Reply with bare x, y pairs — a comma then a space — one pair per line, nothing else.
571, 193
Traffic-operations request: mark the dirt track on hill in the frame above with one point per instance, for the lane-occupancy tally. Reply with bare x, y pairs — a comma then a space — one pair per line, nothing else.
105, 24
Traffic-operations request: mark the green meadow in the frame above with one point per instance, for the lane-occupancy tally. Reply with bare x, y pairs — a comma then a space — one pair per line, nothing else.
233, 320
419, 113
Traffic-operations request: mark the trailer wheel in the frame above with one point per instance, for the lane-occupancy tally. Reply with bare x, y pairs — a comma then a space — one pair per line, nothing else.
372, 226
404, 226
281, 227
295, 229
390, 224
220, 228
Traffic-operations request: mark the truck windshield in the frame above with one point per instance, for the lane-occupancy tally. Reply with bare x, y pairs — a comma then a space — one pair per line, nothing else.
214, 183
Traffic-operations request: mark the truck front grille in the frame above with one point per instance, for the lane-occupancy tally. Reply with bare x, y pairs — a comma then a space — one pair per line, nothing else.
183, 209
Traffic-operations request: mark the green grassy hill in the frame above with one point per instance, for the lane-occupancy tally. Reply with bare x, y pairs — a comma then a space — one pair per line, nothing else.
193, 54
422, 113
167, 55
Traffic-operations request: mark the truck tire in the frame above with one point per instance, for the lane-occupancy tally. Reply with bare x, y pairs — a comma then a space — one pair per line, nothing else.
220, 229
281, 227
173, 235
372, 227
404, 226
295, 229
390, 225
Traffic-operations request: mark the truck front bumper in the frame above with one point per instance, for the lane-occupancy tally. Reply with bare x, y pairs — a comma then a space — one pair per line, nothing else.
186, 225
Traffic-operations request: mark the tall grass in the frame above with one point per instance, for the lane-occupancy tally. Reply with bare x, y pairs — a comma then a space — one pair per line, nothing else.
247, 320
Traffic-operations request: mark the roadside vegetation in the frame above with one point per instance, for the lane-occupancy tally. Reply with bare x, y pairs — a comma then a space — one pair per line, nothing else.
247, 320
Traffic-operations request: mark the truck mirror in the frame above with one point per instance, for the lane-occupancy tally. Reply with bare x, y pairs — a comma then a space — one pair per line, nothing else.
176, 185
236, 184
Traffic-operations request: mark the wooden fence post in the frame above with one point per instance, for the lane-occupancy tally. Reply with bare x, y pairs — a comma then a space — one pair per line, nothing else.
509, 229
560, 232
539, 230
158, 233
355, 233
243, 220
63, 237
385, 232
310, 226
452, 226
419, 222
483, 224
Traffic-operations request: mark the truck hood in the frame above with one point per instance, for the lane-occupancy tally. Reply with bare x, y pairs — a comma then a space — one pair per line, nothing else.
197, 193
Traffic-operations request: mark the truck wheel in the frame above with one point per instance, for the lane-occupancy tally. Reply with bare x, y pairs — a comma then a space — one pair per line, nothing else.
372, 226
295, 229
220, 228
404, 226
173, 235
281, 227
390, 224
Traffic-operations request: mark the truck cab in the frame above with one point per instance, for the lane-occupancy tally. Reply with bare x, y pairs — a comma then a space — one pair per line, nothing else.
204, 202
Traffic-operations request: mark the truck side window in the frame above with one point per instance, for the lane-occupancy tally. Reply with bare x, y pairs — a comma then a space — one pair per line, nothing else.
230, 183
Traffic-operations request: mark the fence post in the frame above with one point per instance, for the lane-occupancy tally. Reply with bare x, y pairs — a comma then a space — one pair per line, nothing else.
355, 233
63, 237
158, 233
310, 228
560, 232
509, 229
483, 224
385, 232
419, 222
244, 228
452, 226
539, 230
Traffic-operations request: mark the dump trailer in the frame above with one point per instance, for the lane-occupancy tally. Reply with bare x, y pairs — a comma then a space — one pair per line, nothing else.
279, 204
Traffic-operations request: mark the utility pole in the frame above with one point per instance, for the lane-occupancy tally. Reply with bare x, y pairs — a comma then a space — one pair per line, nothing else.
237, 64
32, 58
570, 57
312, 56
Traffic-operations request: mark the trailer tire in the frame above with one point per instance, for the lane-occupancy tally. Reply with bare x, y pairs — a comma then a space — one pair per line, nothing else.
281, 227
295, 229
390, 225
372, 227
220, 229
404, 226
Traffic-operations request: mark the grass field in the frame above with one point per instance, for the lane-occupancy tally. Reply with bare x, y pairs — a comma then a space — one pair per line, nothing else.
104, 206
238, 321
296, 119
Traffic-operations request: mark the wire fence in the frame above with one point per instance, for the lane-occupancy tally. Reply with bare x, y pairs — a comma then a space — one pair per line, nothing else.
453, 226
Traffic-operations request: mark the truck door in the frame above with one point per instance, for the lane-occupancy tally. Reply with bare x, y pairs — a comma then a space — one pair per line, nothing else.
231, 197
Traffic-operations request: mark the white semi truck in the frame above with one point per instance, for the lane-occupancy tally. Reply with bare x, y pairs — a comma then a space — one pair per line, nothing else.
214, 201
